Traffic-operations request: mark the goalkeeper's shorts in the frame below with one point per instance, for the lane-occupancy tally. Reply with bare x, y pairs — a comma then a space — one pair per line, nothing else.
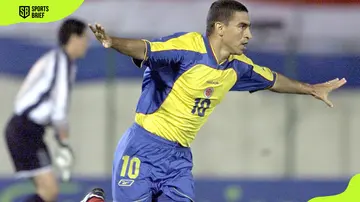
147, 166
28, 151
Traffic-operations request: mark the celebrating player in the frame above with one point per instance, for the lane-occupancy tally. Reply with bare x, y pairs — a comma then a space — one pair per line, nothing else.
42, 101
186, 77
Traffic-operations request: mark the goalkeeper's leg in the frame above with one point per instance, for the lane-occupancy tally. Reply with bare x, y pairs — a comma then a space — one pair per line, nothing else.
46, 187
31, 158
96, 195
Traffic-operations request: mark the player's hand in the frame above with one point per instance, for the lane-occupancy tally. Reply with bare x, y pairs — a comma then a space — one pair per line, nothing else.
100, 35
64, 158
322, 90
64, 161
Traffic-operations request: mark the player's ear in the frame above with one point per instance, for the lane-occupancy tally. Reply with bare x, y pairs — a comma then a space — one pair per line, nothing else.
219, 27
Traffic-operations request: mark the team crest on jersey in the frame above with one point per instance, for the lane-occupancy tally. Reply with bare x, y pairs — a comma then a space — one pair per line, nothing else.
208, 92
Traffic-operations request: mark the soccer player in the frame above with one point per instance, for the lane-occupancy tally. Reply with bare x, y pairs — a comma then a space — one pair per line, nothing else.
43, 101
186, 77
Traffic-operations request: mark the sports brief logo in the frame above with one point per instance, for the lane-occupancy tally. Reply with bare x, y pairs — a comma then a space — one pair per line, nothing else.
125, 183
24, 11
34, 11
208, 92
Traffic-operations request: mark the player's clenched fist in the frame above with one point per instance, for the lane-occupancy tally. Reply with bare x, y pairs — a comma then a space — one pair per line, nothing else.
100, 35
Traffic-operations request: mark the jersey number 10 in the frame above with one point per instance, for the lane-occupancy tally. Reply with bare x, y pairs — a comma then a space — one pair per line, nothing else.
133, 166
200, 106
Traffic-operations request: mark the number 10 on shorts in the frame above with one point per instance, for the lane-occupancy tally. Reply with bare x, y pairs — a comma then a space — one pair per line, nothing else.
130, 167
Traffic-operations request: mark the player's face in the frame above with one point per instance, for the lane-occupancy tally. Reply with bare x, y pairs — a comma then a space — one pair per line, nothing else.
237, 33
81, 44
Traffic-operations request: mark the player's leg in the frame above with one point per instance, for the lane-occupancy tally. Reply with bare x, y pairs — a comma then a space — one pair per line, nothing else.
31, 157
165, 198
180, 185
131, 177
46, 187
180, 189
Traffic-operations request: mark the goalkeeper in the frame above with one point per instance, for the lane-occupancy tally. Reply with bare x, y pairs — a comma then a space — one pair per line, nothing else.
43, 101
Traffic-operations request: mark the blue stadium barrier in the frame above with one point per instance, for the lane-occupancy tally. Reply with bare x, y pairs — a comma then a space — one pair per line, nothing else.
17, 56
207, 190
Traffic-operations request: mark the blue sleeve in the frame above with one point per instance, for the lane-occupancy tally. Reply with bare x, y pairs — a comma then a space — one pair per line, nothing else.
164, 51
252, 78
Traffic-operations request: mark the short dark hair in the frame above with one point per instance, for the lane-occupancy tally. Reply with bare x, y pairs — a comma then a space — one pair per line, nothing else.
69, 27
222, 11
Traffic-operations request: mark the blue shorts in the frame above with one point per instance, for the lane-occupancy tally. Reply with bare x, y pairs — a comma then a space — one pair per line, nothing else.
149, 168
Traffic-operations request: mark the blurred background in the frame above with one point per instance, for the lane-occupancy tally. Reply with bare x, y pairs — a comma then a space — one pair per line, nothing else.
263, 147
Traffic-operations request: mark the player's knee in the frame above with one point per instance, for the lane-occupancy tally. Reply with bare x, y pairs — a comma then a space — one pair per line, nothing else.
48, 192
47, 187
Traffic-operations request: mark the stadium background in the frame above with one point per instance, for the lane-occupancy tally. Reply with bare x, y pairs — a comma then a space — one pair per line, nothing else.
263, 147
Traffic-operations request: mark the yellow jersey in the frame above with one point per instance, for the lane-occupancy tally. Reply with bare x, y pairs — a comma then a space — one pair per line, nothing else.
183, 83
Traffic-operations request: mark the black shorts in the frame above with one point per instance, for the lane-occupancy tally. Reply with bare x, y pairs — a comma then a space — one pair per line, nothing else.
26, 145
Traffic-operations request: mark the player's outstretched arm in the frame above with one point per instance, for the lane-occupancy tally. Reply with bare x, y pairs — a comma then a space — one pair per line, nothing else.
286, 85
134, 48
320, 91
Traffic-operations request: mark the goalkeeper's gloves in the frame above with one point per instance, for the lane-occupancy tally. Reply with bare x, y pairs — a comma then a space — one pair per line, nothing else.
64, 159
